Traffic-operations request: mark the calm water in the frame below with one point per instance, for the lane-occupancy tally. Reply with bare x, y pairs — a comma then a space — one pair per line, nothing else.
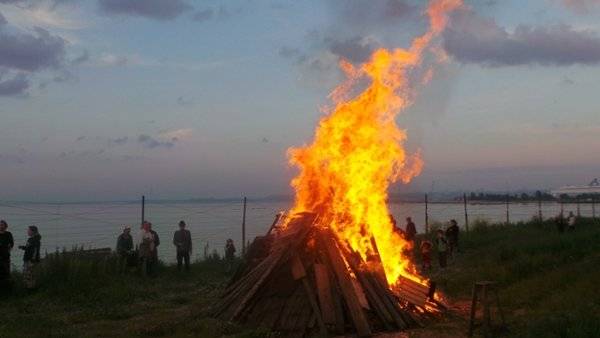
98, 225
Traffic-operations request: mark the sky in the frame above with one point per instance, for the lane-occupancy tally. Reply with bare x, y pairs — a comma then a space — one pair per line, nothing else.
112, 99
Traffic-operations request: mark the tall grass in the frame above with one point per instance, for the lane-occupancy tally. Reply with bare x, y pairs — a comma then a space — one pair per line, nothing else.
549, 281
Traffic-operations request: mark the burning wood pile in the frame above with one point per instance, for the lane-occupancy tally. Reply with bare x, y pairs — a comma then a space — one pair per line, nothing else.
346, 270
310, 283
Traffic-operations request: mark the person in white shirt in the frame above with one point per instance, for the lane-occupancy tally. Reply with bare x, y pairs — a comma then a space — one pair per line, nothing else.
571, 221
146, 248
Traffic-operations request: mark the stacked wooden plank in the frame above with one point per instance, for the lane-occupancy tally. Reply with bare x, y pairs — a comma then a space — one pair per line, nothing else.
311, 284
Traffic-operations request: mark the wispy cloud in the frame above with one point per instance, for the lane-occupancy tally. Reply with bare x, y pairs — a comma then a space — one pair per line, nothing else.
471, 38
152, 9
151, 143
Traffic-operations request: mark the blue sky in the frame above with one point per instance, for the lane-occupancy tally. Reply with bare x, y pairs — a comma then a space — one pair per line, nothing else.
106, 99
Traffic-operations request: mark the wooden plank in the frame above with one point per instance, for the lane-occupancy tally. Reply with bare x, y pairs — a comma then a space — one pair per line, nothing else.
340, 319
256, 286
324, 293
410, 284
388, 301
298, 271
360, 294
345, 282
382, 312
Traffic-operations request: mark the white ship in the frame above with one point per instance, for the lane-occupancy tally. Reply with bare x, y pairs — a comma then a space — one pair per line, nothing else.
573, 190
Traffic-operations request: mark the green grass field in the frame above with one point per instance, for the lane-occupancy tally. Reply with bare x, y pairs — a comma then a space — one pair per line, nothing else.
549, 281
548, 287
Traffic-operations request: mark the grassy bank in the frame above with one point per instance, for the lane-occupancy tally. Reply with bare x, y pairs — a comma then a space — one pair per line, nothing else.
91, 298
548, 288
549, 281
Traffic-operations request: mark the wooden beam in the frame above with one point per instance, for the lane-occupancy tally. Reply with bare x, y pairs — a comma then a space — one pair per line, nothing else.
324, 293
346, 285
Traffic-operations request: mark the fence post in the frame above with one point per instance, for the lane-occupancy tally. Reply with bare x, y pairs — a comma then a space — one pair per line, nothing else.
426, 214
562, 207
540, 207
466, 213
578, 207
244, 228
143, 209
507, 209
594, 207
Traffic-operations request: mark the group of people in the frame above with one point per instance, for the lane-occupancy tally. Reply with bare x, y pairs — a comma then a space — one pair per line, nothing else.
144, 252
569, 222
31, 255
141, 252
445, 243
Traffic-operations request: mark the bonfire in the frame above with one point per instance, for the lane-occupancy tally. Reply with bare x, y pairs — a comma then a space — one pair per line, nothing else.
334, 263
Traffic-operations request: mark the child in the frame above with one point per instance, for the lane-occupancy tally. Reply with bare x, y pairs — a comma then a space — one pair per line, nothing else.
426, 254
442, 248
31, 256
229, 253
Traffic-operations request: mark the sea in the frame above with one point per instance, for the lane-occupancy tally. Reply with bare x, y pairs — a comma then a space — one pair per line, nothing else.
65, 226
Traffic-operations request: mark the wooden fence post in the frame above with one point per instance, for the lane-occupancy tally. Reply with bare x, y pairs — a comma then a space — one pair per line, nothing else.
426, 214
466, 213
244, 228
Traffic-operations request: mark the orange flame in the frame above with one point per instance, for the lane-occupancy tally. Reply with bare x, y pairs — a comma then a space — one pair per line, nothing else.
358, 151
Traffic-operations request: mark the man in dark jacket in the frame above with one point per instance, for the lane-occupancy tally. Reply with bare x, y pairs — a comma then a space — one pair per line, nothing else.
125, 247
182, 239
452, 236
411, 229
6, 245
31, 256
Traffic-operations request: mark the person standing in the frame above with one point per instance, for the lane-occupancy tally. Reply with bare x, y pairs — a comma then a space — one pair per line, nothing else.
229, 253
452, 237
571, 221
182, 239
31, 256
154, 259
441, 245
6, 244
146, 248
125, 247
426, 255
411, 229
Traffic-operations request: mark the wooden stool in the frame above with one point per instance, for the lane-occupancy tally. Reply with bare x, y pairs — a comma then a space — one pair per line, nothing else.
482, 291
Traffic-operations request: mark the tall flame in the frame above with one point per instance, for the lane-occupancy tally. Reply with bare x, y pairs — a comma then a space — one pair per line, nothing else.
358, 150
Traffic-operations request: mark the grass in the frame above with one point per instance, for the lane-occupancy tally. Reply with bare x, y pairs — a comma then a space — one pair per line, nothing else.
549, 281
548, 287
80, 297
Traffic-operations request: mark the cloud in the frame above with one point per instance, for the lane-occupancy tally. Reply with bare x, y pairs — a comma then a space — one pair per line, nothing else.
580, 6
566, 81
176, 134
118, 141
356, 49
203, 15
83, 58
474, 39
182, 101
112, 60
16, 86
2, 20
31, 52
153, 9
370, 13
80, 138
151, 143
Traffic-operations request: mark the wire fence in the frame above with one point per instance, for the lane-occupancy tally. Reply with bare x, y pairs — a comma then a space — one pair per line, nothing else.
65, 226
